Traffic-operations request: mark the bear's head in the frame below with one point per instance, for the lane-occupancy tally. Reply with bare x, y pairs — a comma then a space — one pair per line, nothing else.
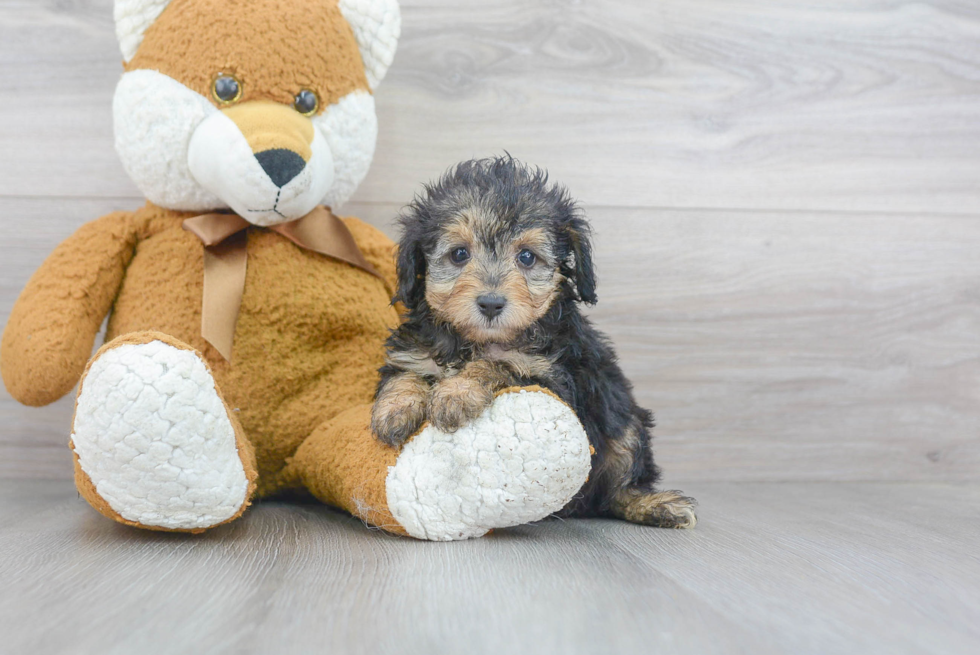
260, 106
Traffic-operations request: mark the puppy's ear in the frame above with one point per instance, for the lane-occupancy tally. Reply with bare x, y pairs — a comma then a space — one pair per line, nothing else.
411, 273
580, 237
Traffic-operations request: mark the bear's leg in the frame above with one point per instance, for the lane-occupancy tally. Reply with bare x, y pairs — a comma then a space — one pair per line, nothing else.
521, 460
155, 446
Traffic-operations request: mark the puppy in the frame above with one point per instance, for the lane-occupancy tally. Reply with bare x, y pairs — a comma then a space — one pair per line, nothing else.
493, 264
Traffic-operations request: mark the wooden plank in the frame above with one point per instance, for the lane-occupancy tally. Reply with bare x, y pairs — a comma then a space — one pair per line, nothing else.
771, 568
33, 441
865, 105
61, 67
772, 346
800, 346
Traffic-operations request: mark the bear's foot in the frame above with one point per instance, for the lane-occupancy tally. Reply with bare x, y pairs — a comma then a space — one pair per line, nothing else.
155, 445
521, 460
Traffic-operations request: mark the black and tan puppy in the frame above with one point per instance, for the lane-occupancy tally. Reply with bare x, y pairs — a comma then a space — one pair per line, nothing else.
492, 266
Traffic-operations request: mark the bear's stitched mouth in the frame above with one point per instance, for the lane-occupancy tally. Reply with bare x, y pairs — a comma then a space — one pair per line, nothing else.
274, 208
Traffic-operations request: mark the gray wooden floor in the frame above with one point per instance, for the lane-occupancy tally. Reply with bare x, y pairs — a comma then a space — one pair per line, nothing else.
786, 198
772, 568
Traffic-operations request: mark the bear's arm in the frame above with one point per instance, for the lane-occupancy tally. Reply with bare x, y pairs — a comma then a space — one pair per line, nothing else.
378, 249
51, 329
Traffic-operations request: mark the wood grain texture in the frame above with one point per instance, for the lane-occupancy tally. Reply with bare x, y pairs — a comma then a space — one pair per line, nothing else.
787, 216
857, 105
771, 568
800, 347
772, 346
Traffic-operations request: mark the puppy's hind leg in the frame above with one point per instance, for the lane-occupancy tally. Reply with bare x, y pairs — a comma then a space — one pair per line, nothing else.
662, 509
631, 476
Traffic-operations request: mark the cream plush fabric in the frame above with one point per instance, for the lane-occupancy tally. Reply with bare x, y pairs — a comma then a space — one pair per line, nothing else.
154, 438
521, 460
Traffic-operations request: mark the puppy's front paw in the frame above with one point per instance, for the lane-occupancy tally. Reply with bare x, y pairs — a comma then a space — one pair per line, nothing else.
398, 413
456, 401
395, 421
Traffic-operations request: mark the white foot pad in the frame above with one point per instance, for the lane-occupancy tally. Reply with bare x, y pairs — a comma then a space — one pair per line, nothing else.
521, 460
154, 437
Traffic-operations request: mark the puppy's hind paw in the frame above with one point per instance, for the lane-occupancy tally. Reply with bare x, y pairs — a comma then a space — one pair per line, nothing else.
662, 509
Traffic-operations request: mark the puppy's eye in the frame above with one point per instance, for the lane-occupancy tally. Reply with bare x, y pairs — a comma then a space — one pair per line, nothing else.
459, 256
226, 89
306, 102
526, 258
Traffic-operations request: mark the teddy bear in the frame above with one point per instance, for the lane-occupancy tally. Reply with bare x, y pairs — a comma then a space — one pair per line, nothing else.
246, 320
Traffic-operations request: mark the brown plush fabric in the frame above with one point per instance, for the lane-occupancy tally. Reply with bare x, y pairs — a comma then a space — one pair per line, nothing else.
52, 327
310, 331
343, 465
214, 37
270, 125
307, 345
84, 483
530, 388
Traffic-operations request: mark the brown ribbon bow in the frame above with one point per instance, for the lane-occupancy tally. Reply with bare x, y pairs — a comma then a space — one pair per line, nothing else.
225, 262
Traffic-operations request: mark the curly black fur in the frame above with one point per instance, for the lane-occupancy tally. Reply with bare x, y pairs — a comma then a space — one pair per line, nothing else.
583, 368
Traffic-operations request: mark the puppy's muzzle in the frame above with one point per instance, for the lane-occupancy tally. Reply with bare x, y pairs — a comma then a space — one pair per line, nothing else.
491, 304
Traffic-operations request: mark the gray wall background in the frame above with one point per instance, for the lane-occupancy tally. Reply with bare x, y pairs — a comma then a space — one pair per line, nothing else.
786, 197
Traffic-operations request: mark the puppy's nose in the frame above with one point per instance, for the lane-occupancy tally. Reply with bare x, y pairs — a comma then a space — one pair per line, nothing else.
491, 304
280, 165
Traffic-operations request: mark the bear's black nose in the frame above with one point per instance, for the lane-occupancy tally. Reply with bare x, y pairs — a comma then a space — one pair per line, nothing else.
280, 165
491, 304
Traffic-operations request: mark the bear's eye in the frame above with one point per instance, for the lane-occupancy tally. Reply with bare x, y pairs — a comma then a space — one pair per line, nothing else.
526, 258
459, 256
306, 102
226, 89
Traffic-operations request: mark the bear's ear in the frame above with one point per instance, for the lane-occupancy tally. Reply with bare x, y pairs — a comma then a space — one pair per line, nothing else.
377, 24
133, 18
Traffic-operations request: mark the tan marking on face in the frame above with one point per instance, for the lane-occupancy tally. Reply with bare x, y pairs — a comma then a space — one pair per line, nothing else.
541, 293
458, 233
452, 291
443, 278
270, 126
275, 49
454, 300
543, 280
436, 294
536, 239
